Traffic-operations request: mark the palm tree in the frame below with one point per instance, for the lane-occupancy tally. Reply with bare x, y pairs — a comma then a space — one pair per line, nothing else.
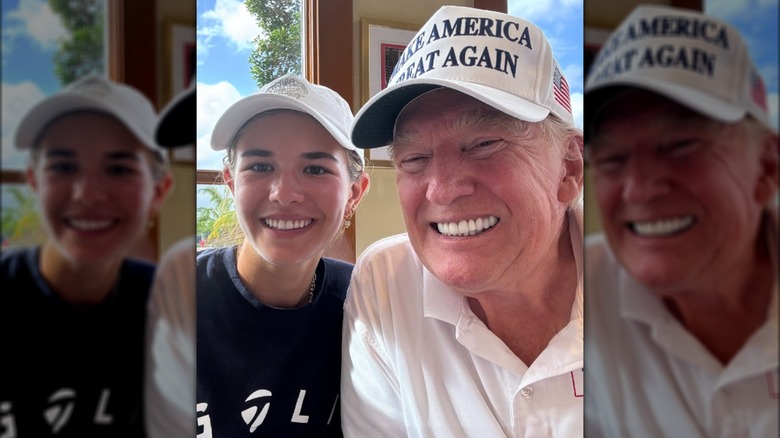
21, 221
218, 222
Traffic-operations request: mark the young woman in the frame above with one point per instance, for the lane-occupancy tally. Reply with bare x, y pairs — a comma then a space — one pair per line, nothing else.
269, 310
75, 306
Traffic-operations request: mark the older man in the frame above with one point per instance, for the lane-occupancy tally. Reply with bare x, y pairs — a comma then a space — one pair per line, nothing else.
682, 332
470, 324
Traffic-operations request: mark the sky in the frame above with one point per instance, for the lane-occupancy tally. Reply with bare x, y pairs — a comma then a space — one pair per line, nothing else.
757, 20
30, 35
225, 31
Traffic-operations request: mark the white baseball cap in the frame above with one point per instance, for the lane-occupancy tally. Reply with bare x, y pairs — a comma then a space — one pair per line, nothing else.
288, 92
91, 93
691, 58
501, 60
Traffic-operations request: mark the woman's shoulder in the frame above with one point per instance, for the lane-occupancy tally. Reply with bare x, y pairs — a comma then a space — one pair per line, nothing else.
18, 269
337, 274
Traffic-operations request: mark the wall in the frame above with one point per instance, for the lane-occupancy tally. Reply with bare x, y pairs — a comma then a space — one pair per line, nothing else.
177, 219
379, 214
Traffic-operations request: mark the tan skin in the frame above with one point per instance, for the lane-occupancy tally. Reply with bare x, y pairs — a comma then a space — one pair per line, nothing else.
97, 193
654, 160
528, 320
288, 167
519, 275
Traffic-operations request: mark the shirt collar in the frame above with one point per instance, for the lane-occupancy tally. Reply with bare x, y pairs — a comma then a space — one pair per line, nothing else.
442, 302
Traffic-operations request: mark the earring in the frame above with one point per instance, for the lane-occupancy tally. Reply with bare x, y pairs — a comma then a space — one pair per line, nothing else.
347, 220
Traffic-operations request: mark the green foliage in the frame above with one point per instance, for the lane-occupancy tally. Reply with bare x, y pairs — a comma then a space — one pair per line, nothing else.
82, 53
21, 224
218, 223
274, 14
278, 48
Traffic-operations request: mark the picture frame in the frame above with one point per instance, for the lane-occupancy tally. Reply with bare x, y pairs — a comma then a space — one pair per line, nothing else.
382, 42
179, 71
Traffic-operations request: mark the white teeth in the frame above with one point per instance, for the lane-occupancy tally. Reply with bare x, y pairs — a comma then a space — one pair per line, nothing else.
663, 227
90, 225
466, 227
287, 225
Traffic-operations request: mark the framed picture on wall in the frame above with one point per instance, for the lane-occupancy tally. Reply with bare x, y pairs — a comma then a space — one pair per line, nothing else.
382, 43
179, 66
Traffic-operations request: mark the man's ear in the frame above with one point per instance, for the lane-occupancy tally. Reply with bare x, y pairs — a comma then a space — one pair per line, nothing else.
573, 170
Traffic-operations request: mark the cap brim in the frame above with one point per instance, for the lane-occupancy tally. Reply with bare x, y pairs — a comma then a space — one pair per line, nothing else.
597, 98
178, 120
240, 112
42, 115
374, 124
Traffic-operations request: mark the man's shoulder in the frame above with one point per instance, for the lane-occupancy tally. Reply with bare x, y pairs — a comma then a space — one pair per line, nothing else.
602, 269
598, 253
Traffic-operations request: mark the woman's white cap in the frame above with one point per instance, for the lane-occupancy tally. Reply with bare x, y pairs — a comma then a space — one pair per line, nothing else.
288, 92
92, 93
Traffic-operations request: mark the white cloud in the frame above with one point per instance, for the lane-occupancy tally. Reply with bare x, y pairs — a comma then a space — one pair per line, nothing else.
774, 110
730, 10
531, 10
770, 74
36, 20
17, 99
577, 109
574, 76
564, 45
231, 20
726, 9
538, 11
213, 101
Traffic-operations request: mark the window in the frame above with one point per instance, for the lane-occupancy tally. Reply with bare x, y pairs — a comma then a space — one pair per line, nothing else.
46, 45
236, 56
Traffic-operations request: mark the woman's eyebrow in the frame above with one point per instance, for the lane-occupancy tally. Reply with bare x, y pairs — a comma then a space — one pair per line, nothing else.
319, 156
257, 153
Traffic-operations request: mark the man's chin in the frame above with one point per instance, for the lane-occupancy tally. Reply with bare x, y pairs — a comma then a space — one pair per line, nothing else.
658, 275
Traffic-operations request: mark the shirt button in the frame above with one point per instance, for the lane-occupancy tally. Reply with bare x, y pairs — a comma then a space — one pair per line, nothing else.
527, 392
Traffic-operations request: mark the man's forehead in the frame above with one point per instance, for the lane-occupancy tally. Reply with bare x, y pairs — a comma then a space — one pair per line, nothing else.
455, 104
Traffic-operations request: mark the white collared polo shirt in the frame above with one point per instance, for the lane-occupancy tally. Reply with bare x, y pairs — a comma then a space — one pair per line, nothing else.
417, 362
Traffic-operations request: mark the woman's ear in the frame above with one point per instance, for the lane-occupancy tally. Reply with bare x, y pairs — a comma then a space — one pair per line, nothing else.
227, 176
161, 190
357, 190
573, 170
32, 180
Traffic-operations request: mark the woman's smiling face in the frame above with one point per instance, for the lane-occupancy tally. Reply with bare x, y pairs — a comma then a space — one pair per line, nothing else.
291, 186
